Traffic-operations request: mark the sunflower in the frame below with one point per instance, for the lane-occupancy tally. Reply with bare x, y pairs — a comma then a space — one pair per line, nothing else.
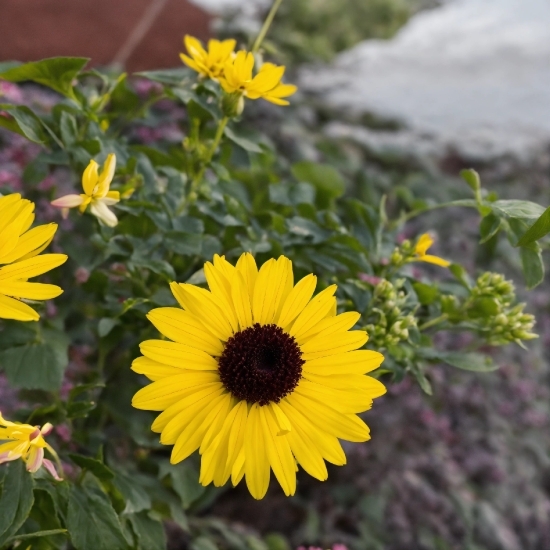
238, 78
27, 442
257, 374
208, 63
425, 242
97, 192
20, 247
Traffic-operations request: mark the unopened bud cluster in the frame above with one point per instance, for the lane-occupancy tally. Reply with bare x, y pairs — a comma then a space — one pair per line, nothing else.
494, 285
402, 253
390, 323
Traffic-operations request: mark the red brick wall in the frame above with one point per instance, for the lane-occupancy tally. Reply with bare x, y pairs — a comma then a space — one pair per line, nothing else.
33, 29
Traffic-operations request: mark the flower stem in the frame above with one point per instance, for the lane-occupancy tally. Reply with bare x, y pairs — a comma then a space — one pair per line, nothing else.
211, 152
266, 25
434, 322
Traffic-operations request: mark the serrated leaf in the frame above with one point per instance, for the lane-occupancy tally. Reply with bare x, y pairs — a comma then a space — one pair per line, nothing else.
92, 521
33, 367
538, 230
16, 500
149, 532
56, 73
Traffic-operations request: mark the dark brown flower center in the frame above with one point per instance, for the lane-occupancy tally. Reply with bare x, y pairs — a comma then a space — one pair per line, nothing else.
261, 364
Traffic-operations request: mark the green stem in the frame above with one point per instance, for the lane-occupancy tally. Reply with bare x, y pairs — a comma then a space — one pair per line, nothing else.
266, 25
211, 152
434, 322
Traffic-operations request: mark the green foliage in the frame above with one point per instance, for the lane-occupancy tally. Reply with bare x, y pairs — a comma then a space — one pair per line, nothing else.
183, 203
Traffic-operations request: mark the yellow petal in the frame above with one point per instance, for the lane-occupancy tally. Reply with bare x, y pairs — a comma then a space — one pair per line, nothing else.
31, 241
236, 432
256, 463
194, 395
32, 267
241, 301
11, 308
161, 394
204, 306
197, 422
68, 201
220, 288
246, 266
183, 327
29, 291
278, 452
314, 312
434, 260
327, 444
333, 344
178, 355
353, 362
297, 300
344, 426
283, 423
153, 369
423, 243
106, 176
331, 324
217, 422
186, 424
357, 383
343, 401
89, 178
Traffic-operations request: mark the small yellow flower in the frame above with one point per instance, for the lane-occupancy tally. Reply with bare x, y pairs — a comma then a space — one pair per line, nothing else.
20, 247
237, 78
26, 442
258, 374
96, 192
424, 242
207, 63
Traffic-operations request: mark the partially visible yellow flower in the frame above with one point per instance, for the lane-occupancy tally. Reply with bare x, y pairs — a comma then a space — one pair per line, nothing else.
96, 192
207, 63
26, 442
237, 78
424, 242
20, 247
258, 374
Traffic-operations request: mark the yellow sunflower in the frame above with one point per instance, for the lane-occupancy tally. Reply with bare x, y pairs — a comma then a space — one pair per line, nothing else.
20, 247
238, 78
257, 374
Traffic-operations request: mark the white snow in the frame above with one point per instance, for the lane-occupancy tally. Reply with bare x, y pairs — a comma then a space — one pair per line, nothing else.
472, 73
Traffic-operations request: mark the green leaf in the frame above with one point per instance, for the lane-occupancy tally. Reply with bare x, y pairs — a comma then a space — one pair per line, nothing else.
56, 73
518, 209
532, 264
323, 177
243, 142
68, 128
471, 361
461, 274
105, 325
471, 177
172, 77
538, 230
96, 467
150, 532
92, 521
423, 382
426, 293
185, 481
16, 500
203, 543
38, 534
33, 367
489, 227
22, 121
136, 496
